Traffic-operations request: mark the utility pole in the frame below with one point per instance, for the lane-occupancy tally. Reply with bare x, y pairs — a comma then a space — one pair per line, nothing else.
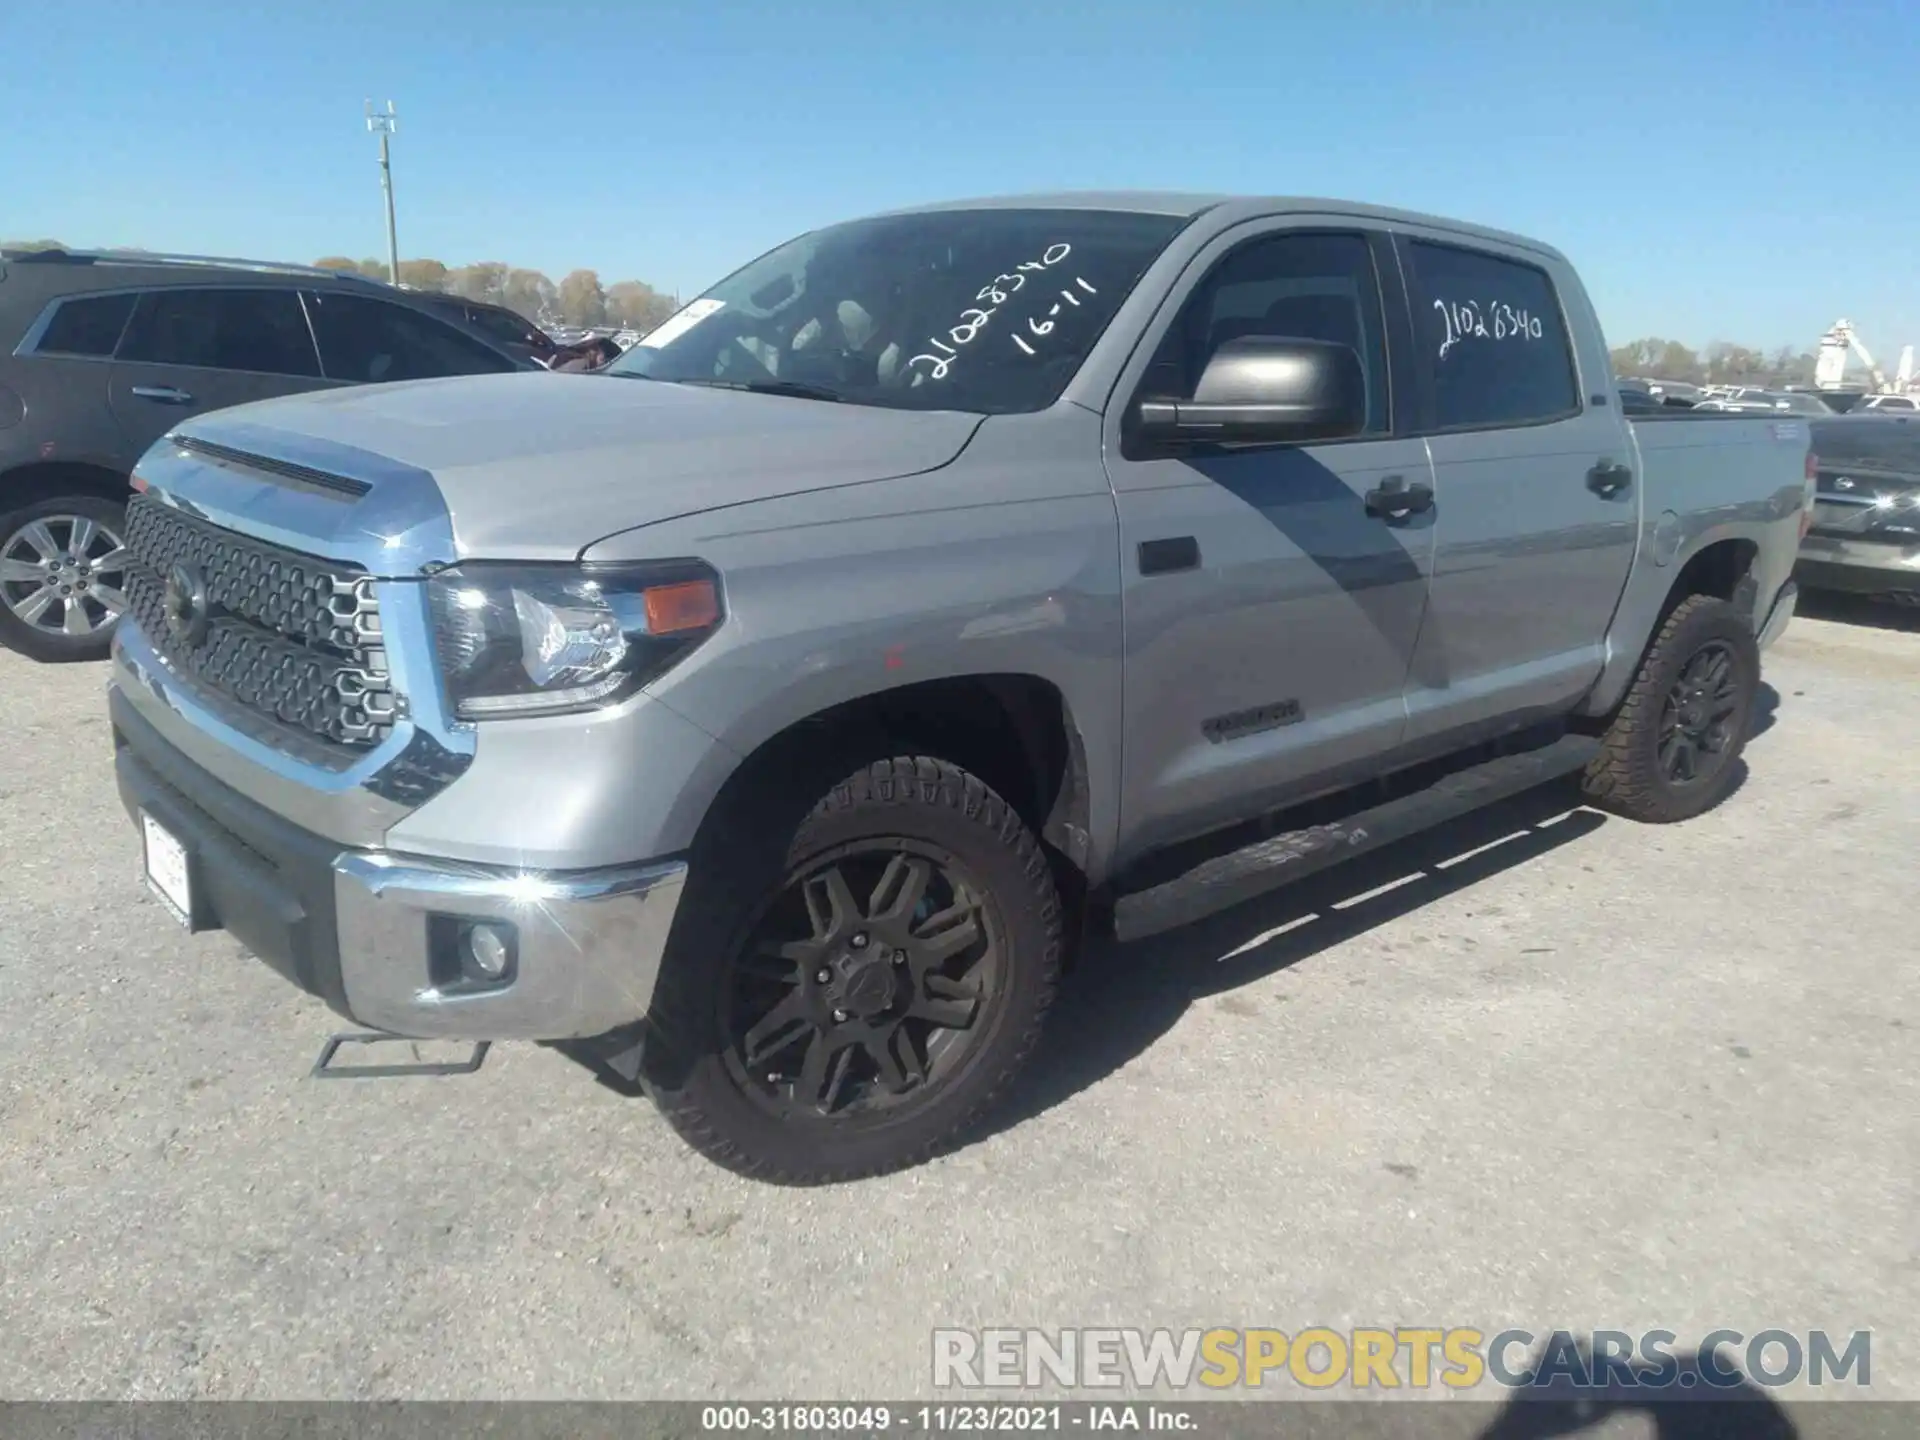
383, 125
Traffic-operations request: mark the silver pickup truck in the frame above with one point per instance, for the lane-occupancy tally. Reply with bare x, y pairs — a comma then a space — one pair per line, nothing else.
769, 718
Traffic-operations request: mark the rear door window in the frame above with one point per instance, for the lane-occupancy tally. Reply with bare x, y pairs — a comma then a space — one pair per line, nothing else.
1491, 337
369, 341
86, 325
258, 331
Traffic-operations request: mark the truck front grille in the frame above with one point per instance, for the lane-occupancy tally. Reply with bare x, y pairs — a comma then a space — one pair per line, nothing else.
286, 636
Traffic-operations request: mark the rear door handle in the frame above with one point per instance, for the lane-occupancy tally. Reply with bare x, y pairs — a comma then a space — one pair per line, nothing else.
1608, 479
165, 394
1394, 499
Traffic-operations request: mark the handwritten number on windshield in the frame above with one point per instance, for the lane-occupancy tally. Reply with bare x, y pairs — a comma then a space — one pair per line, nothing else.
969, 326
992, 291
995, 293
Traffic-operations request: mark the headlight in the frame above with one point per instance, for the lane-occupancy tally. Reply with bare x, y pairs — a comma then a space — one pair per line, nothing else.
543, 639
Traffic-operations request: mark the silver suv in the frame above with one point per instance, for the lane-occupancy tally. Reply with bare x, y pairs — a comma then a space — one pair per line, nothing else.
102, 354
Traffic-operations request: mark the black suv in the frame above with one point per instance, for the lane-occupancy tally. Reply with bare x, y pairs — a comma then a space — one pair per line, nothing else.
102, 354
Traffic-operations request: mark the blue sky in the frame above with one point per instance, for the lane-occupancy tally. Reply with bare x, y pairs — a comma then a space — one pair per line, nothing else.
1710, 165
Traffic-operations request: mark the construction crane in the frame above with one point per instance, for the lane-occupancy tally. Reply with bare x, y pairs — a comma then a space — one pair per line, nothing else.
1841, 340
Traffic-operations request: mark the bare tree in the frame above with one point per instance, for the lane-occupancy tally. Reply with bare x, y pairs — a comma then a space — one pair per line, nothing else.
529, 293
581, 300
483, 281
637, 305
423, 274
1657, 359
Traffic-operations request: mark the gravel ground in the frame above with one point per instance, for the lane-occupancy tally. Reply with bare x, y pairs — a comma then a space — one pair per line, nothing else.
1595, 1075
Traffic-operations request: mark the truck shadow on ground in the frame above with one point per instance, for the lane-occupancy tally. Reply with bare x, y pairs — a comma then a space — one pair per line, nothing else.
1120, 999
1861, 610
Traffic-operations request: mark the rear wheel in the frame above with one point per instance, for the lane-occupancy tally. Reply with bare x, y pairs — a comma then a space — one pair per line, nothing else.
62, 567
1670, 752
860, 1005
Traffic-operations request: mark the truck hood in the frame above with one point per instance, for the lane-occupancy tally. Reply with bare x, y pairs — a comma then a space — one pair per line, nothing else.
542, 466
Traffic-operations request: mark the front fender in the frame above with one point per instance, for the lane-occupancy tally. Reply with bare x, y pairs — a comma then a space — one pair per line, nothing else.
1006, 563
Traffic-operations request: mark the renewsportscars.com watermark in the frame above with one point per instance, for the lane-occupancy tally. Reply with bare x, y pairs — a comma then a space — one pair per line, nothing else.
1406, 1357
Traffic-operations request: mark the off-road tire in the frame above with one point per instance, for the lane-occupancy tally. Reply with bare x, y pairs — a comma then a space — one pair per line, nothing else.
758, 852
1626, 777
36, 642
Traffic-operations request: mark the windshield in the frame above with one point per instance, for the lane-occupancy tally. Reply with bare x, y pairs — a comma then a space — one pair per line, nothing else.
989, 311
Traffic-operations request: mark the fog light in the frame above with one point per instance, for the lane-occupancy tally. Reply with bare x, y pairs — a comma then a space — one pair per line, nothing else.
486, 951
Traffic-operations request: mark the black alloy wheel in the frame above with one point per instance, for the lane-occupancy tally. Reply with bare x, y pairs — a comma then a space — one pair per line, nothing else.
1696, 724
1672, 749
860, 967
862, 983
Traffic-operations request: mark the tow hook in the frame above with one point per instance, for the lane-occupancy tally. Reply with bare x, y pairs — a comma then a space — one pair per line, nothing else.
325, 1069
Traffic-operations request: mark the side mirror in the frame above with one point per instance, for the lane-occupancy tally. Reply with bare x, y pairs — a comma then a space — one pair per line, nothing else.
1266, 388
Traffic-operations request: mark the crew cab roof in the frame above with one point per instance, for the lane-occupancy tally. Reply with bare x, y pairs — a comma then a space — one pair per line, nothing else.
1230, 208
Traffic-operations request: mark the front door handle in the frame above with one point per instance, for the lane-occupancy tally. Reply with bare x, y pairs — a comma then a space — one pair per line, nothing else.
1608, 479
1394, 499
165, 394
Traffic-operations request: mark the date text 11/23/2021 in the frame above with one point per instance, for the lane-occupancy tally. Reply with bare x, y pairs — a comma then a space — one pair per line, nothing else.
963, 1418
994, 294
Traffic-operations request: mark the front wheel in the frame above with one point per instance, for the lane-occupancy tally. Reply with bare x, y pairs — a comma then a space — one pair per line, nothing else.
861, 1005
62, 565
1670, 751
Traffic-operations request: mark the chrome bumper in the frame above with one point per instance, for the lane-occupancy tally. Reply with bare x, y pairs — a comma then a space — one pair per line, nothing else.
588, 946
376, 934
1894, 561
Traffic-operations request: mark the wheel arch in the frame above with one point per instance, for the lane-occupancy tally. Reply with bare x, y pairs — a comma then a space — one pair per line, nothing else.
48, 479
1722, 562
1014, 731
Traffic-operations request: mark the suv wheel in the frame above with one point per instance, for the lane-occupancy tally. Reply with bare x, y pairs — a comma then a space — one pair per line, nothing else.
860, 1006
62, 565
1669, 753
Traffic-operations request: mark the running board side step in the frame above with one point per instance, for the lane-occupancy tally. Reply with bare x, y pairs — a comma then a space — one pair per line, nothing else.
1241, 875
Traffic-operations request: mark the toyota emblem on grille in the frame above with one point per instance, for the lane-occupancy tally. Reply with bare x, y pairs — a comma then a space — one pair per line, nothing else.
185, 602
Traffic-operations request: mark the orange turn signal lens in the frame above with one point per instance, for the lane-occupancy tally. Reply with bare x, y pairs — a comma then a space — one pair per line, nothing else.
676, 609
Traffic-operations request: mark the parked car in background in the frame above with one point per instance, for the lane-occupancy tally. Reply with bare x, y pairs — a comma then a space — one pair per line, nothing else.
1866, 516
1801, 402
508, 329
1902, 404
1752, 401
1669, 390
101, 354
513, 332
1638, 399
767, 718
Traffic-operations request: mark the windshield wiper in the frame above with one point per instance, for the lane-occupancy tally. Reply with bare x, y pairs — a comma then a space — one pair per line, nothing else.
795, 388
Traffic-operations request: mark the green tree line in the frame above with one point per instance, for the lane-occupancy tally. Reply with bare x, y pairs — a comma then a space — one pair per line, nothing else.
1721, 363
578, 298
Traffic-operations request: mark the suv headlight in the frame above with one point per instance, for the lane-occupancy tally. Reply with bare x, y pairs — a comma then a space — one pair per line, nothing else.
545, 639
